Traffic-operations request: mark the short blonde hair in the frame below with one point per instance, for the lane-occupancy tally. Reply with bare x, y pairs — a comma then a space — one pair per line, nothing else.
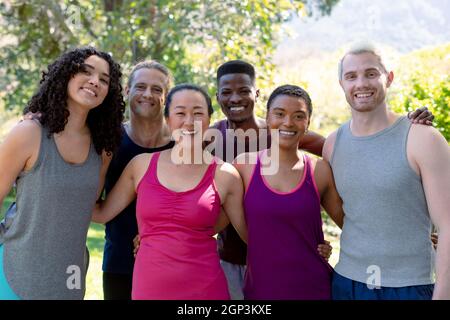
359, 48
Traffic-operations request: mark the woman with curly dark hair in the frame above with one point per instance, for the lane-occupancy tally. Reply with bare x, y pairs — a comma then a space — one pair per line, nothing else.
58, 162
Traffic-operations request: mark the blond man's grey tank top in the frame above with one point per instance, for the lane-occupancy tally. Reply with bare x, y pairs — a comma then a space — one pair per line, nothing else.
45, 246
385, 240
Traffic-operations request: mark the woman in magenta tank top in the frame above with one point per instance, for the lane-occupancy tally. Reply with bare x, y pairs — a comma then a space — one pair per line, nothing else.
179, 199
282, 207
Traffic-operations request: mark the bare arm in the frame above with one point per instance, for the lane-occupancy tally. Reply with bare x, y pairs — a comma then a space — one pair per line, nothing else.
428, 150
106, 160
18, 152
312, 142
222, 222
121, 195
233, 190
330, 199
328, 147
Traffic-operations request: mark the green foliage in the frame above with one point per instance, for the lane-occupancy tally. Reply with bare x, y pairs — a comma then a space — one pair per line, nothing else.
425, 81
191, 37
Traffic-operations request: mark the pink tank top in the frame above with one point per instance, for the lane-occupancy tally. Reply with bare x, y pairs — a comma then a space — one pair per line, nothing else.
177, 257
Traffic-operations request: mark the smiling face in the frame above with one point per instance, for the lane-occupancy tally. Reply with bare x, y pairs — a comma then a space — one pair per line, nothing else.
188, 112
237, 96
290, 116
89, 87
364, 81
147, 93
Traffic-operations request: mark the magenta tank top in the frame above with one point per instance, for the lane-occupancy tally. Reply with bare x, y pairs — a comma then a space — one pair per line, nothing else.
177, 258
284, 231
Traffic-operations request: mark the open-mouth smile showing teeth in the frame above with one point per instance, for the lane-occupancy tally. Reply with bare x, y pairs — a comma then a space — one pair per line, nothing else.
236, 109
364, 95
287, 133
89, 91
188, 133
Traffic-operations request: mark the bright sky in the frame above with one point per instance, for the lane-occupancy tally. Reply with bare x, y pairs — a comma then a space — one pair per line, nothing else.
402, 24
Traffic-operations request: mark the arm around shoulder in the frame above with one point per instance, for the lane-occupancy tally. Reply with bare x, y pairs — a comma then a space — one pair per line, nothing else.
312, 142
123, 192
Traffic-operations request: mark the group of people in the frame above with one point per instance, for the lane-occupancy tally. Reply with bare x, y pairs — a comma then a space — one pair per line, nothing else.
382, 179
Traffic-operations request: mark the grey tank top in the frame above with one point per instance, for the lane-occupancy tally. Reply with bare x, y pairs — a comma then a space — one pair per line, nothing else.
45, 246
385, 240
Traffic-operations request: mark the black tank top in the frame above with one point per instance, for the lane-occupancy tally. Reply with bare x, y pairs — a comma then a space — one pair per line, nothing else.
120, 232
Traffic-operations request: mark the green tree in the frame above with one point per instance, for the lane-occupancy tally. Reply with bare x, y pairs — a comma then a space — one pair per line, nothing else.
424, 80
191, 37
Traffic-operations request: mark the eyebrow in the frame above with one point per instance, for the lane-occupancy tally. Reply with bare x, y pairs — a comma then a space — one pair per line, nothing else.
239, 88
349, 72
365, 70
146, 84
183, 107
282, 109
86, 65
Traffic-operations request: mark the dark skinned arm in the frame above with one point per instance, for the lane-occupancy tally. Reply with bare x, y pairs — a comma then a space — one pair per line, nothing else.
312, 142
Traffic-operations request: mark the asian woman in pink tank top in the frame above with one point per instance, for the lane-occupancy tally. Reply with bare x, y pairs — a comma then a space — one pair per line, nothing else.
179, 201
282, 207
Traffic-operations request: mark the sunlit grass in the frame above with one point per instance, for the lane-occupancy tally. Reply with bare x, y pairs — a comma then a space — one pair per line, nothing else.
95, 243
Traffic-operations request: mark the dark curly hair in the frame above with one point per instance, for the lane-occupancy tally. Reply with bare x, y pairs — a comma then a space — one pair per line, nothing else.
293, 91
50, 101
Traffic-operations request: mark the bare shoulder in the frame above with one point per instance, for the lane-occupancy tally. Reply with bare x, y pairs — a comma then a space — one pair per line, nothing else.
25, 134
246, 158
141, 160
423, 140
227, 178
322, 168
422, 134
27, 128
322, 175
227, 171
328, 146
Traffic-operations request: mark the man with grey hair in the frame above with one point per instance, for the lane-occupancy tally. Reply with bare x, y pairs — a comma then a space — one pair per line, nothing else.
146, 132
393, 178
